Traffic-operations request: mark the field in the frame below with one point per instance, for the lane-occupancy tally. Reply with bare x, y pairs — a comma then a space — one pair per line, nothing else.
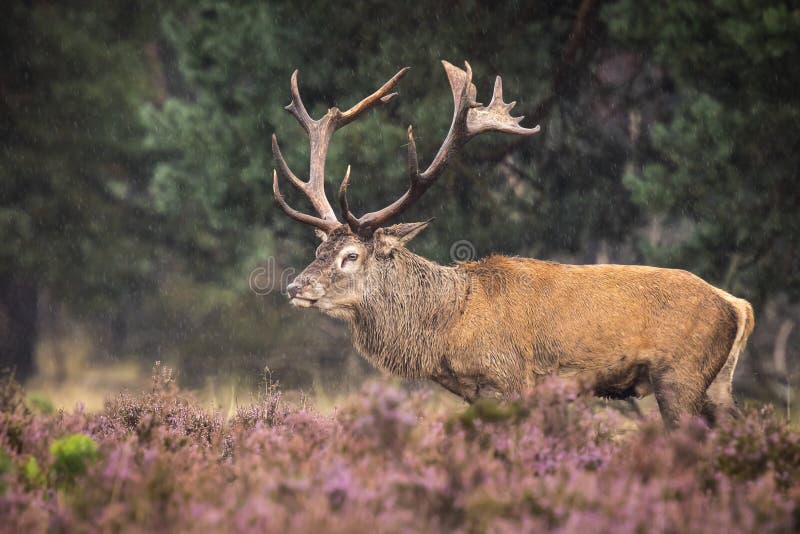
386, 460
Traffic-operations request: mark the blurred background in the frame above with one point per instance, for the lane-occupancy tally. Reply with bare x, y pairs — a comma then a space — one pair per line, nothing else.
135, 170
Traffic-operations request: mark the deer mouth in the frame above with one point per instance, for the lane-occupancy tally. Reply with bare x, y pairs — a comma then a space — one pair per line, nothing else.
302, 302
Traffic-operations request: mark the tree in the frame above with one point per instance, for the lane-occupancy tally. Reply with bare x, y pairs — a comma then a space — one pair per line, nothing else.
73, 173
726, 161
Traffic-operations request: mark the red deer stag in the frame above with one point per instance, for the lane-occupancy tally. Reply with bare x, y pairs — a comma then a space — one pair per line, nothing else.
494, 327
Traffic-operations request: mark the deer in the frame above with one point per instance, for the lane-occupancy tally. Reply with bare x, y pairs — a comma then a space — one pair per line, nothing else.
494, 327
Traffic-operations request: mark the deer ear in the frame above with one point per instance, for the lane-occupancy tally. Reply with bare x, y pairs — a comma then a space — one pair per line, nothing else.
398, 235
321, 235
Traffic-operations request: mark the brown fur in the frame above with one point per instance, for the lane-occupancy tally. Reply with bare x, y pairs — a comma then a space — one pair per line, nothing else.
496, 326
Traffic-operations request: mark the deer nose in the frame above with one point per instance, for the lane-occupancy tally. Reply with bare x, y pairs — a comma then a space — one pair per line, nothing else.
294, 289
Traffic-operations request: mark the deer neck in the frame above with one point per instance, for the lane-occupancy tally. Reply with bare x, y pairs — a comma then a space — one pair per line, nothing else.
403, 320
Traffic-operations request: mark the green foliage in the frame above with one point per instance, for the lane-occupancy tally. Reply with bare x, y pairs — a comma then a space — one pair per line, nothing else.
41, 403
32, 473
71, 456
71, 160
727, 159
491, 411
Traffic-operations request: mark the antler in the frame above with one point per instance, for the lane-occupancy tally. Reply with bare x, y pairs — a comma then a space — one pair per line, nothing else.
319, 134
470, 118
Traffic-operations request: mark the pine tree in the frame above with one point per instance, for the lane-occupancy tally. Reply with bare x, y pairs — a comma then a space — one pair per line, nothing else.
72, 171
726, 161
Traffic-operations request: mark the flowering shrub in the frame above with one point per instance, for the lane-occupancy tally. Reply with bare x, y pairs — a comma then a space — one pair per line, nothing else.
386, 461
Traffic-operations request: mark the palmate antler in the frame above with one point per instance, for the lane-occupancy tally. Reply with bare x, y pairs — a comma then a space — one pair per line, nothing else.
469, 119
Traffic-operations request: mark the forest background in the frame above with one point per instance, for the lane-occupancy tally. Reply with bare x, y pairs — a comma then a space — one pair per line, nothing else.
135, 169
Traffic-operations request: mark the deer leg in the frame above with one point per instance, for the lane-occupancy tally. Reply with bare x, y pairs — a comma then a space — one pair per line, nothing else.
709, 410
719, 403
633, 404
678, 394
714, 411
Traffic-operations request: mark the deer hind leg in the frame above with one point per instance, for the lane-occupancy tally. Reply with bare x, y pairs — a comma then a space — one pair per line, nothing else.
679, 394
719, 403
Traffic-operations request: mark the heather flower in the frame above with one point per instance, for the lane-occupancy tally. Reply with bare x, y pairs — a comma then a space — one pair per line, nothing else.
550, 460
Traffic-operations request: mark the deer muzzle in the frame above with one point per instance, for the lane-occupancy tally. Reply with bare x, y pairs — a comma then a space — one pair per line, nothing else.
304, 294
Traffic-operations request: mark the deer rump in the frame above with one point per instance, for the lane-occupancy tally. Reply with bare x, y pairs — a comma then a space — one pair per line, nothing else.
496, 326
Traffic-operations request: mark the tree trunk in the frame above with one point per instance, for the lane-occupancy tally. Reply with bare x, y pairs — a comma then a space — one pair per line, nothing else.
18, 325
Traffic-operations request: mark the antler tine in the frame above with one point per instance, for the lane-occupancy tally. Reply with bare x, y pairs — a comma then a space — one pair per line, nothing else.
319, 134
322, 224
284, 167
413, 159
381, 96
296, 106
345, 209
315, 193
469, 119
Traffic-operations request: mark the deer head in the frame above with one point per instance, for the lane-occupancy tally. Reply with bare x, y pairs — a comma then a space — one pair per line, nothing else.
360, 251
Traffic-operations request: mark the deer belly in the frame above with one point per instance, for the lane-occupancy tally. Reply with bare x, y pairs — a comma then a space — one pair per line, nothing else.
619, 382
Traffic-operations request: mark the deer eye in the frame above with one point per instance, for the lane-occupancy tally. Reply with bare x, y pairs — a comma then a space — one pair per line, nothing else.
350, 257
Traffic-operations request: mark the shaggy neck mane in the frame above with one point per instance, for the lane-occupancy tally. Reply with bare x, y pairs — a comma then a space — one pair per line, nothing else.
401, 322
